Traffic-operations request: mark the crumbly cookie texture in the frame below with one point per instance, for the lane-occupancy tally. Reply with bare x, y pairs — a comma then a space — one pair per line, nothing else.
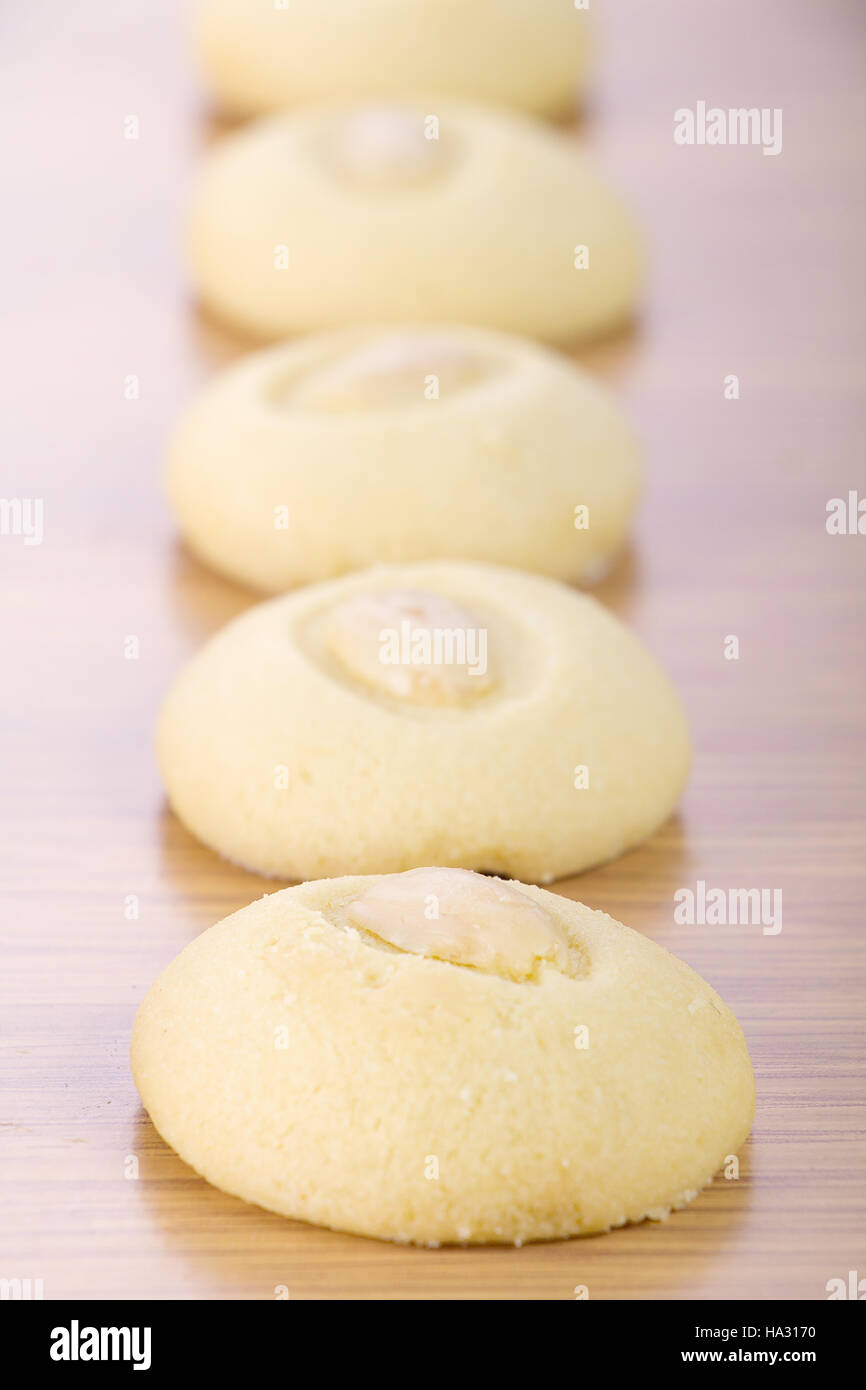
264, 56
438, 212
336, 451
442, 1059
462, 715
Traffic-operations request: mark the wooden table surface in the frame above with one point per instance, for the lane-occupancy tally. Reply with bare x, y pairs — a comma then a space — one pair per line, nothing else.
756, 262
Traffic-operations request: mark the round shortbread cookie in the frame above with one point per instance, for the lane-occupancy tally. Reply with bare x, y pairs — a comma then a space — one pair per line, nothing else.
371, 445
265, 55
438, 1057
437, 713
437, 213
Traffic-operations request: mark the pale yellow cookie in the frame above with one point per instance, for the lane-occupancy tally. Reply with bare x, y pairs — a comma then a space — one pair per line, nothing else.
440, 1057
429, 212
264, 55
440, 713
406, 443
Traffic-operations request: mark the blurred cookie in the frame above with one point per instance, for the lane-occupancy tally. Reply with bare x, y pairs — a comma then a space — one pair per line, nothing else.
446, 213
264, 55
335, 452
440, 1057
441, 713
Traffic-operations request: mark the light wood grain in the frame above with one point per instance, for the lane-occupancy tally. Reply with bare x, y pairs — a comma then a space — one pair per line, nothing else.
756, 263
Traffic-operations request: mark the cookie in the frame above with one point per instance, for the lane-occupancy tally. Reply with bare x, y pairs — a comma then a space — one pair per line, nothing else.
348, 448
265, 55
439, 1057
442, 713
436, 213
